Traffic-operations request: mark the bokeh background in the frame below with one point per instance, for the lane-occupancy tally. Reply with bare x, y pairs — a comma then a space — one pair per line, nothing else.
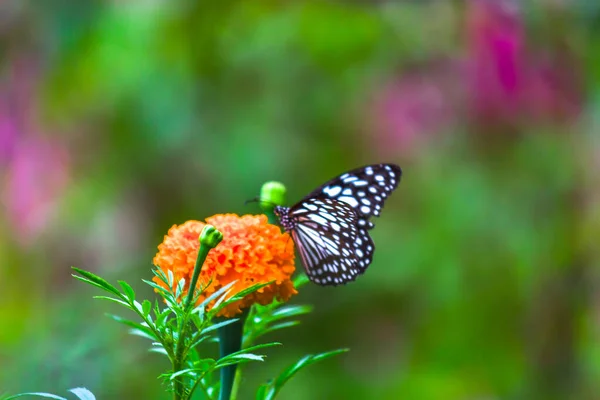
120, 119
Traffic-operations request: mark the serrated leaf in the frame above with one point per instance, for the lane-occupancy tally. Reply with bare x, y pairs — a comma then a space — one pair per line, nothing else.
83, 393
38, 394
128, 290
121, 302
179, 288
95, 279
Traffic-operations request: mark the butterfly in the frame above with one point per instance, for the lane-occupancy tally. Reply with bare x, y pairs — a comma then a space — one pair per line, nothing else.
330, 225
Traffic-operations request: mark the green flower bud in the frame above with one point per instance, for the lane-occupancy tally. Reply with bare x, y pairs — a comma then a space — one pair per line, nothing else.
210, 236
272, 194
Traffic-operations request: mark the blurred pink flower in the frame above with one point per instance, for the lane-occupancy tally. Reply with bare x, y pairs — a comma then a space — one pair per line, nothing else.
408, 111
8, 132
506, 81
37, 176
36, 166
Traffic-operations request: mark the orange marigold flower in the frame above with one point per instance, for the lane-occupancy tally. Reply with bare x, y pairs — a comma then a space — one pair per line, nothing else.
252, 251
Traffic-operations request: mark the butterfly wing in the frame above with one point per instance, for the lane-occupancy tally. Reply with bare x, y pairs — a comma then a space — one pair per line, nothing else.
365, 189
325, 233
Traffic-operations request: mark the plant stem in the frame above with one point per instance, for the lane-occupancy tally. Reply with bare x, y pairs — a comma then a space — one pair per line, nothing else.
236, 383
178, 360
202, 253
230, 341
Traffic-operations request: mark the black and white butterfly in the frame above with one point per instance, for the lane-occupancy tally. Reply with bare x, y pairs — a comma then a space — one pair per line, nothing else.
330, 226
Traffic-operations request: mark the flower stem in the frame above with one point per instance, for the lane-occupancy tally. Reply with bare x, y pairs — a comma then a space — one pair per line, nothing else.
209, 239
202, 253
230, 341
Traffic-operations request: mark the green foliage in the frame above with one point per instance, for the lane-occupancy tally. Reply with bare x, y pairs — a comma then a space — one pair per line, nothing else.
269, 390
178, 330
81, 393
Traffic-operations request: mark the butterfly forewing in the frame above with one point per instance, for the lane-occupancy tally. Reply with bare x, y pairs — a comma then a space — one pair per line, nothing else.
364, 189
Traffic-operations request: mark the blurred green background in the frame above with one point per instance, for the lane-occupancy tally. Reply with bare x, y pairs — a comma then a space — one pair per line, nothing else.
120, 119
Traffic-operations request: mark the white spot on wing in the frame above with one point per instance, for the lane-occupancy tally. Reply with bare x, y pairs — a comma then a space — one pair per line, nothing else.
318, 219
332, 191
350, 200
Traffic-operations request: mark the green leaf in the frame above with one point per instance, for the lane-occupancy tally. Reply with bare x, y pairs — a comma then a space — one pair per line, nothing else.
247, 291
237, 356
276, 327
189, 371
276, 385
121, 302
250, 356
162, 317
219, 325
213, 296
160, 350
300, 280
179, 288
146, 308
163, 291
83, 393
160, 274
261, 393
128, 290
47, 395
290, 311
95, 280
145, 331
204, 364
196, 342
240, 295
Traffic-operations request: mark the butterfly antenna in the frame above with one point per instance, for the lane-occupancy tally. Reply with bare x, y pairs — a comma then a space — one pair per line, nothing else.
254, 200
259, 200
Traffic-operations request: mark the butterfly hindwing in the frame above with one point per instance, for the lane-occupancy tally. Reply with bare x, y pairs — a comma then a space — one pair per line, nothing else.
325, 235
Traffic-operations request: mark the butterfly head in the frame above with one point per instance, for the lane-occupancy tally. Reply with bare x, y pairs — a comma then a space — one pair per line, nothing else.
284, 217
